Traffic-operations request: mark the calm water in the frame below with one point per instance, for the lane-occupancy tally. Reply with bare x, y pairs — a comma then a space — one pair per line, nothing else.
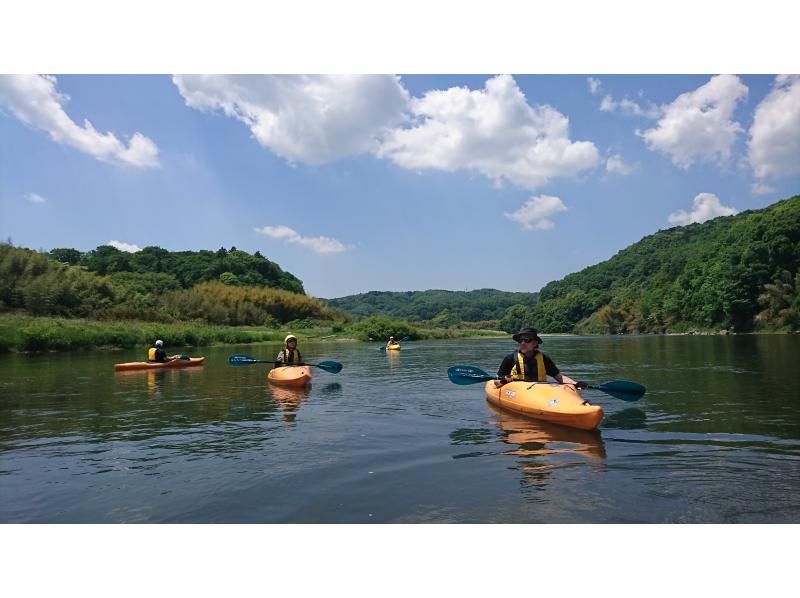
390, 439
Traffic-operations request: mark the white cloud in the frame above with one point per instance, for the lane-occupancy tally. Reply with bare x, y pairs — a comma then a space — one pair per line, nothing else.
627, 106
35, 198
493, 131
34, 100
759, 188
774, 145
130, 248
594, 85
315, 244
536, 212
312, 119
698, 125
705, 207
615, 164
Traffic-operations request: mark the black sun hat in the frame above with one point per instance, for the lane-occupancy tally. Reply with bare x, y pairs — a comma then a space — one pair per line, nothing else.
528, 332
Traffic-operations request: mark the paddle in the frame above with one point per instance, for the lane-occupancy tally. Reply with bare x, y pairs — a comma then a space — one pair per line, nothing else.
402, 340
620, 389
334, 367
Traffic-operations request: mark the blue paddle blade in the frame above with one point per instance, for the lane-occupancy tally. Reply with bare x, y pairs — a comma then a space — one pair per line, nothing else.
622, 389
334, 367
467, 374
241, 360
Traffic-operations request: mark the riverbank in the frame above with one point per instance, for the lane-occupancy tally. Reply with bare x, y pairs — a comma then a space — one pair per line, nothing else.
23, 333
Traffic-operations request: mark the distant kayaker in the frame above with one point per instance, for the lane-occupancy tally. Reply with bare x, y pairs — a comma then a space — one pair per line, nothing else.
530, 364
159, 355
391, 341
290, 354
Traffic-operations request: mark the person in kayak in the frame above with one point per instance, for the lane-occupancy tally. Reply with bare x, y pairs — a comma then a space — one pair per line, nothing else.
290, 354
391, 341
159, 355
530, 364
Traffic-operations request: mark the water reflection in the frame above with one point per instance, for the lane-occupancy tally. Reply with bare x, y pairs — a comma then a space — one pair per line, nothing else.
287, 399
627, 419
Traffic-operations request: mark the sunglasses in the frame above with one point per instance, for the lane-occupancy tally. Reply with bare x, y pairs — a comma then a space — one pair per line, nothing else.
525, 340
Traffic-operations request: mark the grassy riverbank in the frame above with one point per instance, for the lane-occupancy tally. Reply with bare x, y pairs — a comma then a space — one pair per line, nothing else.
29, 333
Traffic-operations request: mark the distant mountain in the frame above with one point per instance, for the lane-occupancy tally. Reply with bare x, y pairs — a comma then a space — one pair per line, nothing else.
436, 306
737, 272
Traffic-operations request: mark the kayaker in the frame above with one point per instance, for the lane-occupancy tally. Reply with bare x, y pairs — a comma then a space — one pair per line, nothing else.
159, 355
290, 354
530, 364
391, 341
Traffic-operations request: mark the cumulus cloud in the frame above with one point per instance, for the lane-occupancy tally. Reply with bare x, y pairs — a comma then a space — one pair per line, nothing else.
311, 119
616, 165
774, 145
595, 86
130, 248
315, 244
705, 207
35, 198
698, 124
493, 131
35, 101
630, 107
535, 213
759, 188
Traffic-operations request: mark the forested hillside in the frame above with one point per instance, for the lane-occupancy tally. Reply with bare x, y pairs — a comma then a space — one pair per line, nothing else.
154, 268
440, 308
738, 273
224, 288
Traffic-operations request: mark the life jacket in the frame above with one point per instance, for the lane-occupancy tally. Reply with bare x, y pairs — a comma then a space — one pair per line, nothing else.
292, 356
518, 372
151, 354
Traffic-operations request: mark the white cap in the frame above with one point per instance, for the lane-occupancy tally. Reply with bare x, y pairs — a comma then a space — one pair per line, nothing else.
159, 343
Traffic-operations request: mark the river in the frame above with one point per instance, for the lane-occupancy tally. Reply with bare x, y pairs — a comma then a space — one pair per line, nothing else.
716, 438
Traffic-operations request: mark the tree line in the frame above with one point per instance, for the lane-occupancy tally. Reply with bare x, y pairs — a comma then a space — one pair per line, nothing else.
108, 284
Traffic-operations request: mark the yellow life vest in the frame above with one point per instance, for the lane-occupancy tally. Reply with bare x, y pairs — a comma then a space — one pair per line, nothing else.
151, 354
518, 371
292, 356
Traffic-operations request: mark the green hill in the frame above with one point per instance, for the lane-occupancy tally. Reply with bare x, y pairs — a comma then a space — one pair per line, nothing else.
738, 273
439, 307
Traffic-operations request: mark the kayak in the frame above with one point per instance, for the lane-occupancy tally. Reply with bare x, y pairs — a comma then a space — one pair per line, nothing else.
290, 375
550, 402
393, 347
155, 365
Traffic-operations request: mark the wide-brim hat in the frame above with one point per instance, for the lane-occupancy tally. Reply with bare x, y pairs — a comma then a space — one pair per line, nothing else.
528, 332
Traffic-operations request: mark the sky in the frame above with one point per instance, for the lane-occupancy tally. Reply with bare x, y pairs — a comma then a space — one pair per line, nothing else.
408, 179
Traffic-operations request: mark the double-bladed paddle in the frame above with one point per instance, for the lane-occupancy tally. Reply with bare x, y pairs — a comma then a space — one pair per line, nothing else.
334, 367
620, 389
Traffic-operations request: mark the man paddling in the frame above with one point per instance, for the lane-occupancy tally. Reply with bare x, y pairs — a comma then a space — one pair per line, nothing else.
290, 354
159, 355
530, 364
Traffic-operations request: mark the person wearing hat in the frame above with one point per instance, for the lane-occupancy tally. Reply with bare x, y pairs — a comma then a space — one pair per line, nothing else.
290, 354
391, 342
528, 363
159, 355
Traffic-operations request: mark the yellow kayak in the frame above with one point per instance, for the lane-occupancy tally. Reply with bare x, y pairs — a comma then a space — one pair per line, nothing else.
290, 375
155, 365
550, 402
393, 347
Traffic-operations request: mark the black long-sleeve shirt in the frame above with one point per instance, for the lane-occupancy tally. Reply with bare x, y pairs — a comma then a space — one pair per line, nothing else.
530, 365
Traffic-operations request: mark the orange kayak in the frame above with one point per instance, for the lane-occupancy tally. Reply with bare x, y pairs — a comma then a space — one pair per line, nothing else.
154, 365
292, 375
550, 402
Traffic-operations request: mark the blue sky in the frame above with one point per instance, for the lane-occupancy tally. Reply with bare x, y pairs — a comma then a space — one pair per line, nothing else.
384, 182
456, 176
